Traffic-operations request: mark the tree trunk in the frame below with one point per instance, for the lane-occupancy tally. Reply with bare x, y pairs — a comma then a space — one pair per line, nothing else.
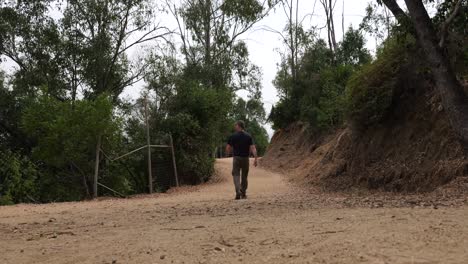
96, 168
292, 44
332, 24
454, 99
207, 29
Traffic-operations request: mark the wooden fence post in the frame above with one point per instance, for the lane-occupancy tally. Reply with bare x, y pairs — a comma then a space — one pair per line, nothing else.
174, 161
148, 142
96, 168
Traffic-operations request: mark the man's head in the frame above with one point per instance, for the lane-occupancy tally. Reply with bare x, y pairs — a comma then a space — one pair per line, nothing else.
239, 125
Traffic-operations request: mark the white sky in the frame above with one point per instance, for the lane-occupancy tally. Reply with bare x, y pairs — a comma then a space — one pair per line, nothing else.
264, 45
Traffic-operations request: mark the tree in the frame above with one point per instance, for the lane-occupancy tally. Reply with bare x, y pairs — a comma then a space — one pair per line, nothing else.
351, 50
318, 96
71, 71
296, 39
454, 99
377, 22
99, 33
31, 39
66, 138
329, 7
209, 31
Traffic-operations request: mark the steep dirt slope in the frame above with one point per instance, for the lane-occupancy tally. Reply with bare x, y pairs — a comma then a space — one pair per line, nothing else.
413, 150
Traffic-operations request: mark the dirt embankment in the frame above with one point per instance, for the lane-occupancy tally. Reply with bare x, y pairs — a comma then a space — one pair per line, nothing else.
413, 150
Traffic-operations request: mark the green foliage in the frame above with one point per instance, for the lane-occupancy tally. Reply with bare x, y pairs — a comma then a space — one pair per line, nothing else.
248, 10
352, 49
18, 177
71, 70
207, 109
457, 36
194, 157
66, 136
58, 128
331, 106
283, 113
318, 96
370, 91
377, 21
194, 113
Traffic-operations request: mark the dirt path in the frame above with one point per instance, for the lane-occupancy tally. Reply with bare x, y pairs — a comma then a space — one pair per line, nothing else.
277, 224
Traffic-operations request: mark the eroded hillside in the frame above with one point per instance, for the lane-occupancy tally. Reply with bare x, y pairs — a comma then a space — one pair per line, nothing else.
414, 149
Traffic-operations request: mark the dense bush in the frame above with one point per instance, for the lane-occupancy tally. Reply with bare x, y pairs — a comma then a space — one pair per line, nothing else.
370, 91
64, 147
194, 157
18, 181
331, 105
317, 97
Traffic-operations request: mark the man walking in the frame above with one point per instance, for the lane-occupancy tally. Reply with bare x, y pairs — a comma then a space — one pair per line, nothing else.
241, 144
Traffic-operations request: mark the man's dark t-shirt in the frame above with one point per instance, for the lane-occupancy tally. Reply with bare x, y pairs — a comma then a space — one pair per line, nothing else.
241, 142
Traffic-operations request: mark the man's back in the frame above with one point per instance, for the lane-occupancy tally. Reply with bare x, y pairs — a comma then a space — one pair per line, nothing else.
240, 142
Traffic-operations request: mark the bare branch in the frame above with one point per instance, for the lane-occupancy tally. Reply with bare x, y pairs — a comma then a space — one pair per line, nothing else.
145, 38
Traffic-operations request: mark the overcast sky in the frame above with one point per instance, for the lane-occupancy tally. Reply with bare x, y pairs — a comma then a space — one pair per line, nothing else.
264, 46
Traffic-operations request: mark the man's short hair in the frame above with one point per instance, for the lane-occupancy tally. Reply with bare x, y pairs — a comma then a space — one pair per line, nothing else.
240, 123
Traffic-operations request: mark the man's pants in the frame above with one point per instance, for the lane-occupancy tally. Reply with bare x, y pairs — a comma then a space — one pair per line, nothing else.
240, 165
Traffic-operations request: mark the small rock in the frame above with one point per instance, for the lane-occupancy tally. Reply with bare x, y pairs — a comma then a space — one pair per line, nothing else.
162, 257
219, 249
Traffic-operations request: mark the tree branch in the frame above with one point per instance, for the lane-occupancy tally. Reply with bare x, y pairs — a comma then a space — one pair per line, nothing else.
444, 28
396, 10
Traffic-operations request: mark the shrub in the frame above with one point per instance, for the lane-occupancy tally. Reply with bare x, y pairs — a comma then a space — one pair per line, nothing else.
369, 92
18, 177
283, 113
195, 161
331, 106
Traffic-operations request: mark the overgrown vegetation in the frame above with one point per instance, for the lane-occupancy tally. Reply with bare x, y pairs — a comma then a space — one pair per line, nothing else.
322, 75
369, 95
329, 84
64, 98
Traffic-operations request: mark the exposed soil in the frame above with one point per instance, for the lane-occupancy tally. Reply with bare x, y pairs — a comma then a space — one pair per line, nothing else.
412, 150
279, 223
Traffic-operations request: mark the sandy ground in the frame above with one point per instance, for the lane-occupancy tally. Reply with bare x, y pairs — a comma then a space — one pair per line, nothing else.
279, 223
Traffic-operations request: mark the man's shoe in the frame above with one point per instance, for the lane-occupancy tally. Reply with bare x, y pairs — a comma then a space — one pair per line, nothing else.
244, 196
237, 197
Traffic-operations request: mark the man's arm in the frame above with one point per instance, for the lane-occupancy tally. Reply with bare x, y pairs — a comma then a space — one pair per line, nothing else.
228, 149
253, 150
